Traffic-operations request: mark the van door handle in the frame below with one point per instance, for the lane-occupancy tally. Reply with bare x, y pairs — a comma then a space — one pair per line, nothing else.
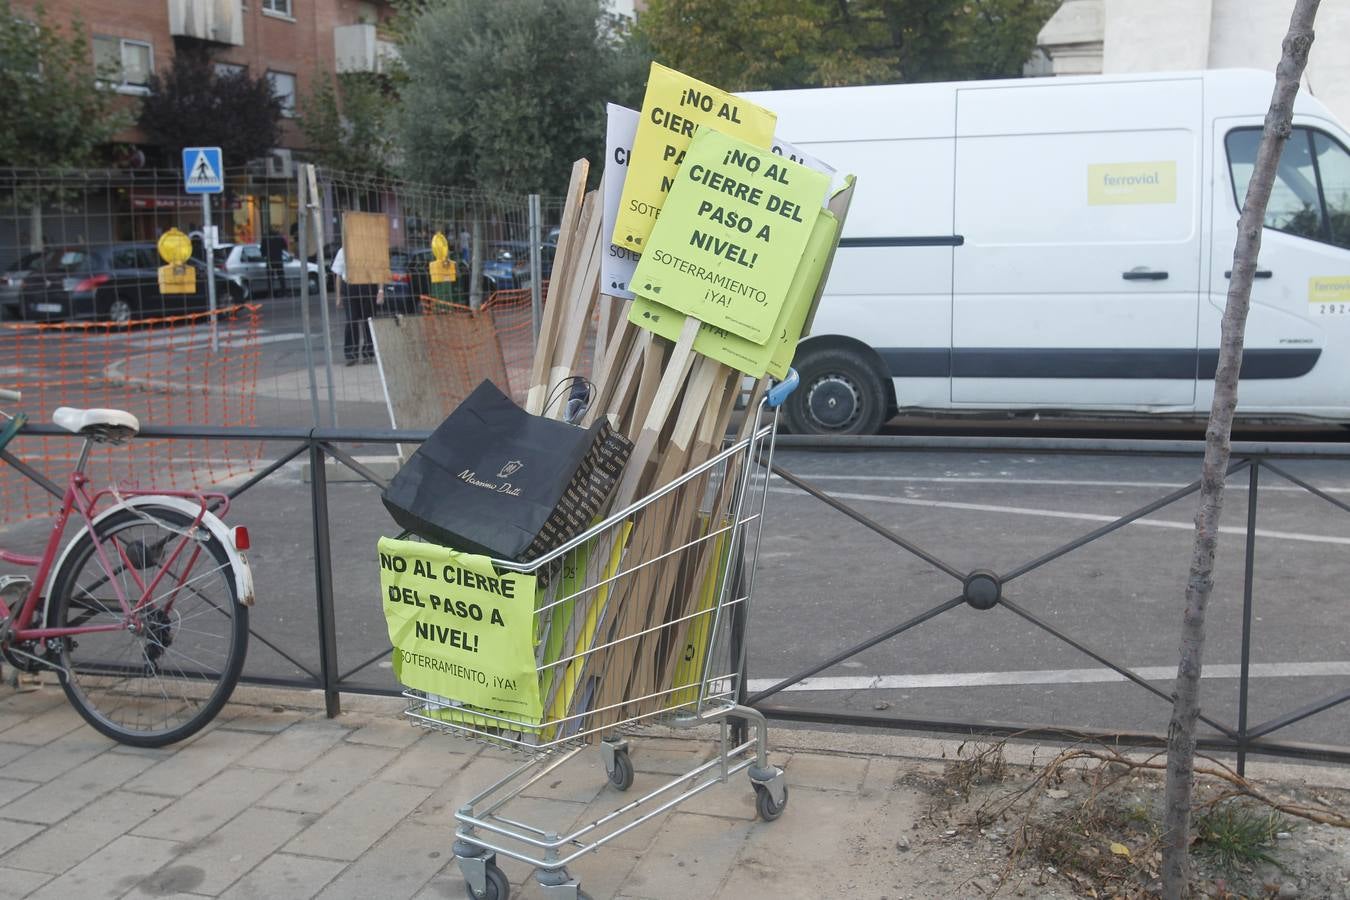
1142, 274
1259, 273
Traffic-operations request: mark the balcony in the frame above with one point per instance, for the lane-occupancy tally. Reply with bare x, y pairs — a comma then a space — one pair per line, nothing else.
359, 48
217, 21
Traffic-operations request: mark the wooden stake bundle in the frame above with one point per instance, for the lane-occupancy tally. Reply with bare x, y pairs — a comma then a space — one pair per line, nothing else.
562, 263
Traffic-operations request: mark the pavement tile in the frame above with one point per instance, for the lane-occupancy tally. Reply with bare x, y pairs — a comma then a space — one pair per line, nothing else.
663, 761
351, 827
112, 871
580, 779
333, 776
227, 854
11, 752
16, 883
396, 867
76, 789
835, 772
854, 856
297, 746
211, 805
733, 800
386, 732
689, 858
430, 762
43, 727
72, 841
14, 833
143, 893
439, 808
58, 757
196, 763
282, 875
11, 789
636, 839
266, 721
30, 703
601, 875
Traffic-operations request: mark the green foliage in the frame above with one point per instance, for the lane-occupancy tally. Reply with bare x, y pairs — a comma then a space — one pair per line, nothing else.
505, 95
348, 120
193, 106
766, 44
54, 113
1236, 835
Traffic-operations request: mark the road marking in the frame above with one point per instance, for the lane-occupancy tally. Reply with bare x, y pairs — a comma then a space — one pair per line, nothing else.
1047, 482
1082, 517
1046, 676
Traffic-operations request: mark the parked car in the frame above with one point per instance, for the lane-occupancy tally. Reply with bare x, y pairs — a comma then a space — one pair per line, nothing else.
11, 284
247, 263
118, 282
522, 268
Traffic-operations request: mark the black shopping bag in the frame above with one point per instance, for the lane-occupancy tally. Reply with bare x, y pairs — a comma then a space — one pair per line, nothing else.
494, 479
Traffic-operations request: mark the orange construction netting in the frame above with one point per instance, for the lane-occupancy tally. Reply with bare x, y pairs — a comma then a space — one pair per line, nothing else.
162, 370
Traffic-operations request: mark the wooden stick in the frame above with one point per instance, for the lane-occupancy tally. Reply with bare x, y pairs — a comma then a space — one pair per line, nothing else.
607, 371
579, 300
548, 327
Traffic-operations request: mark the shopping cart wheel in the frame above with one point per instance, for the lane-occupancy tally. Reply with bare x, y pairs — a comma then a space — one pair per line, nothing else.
497, 887
764, 803
621, 775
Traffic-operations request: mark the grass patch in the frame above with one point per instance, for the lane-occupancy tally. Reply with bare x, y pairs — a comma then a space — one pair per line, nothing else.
1236, 836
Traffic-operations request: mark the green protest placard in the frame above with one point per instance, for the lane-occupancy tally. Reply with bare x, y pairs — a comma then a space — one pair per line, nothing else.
730, 235
460, 629
742, 354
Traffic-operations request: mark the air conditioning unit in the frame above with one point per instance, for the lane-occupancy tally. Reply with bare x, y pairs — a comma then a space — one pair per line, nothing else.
279, 164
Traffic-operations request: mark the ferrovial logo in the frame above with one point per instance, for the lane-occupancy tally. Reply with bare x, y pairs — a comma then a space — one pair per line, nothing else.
511, 468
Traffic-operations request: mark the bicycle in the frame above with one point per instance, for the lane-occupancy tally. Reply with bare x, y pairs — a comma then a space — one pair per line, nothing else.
143, 614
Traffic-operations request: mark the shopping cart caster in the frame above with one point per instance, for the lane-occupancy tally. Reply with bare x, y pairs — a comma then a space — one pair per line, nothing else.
483, 878
556, 884
618, 766
771, 791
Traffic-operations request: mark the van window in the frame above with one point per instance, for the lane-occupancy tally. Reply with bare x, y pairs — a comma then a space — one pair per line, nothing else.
1311, 194
1333, 166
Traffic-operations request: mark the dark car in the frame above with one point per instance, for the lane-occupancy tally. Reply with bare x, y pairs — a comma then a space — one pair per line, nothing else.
11, 283
119, 282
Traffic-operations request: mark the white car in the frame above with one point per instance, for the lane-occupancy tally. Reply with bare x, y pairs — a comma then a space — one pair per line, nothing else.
247, 263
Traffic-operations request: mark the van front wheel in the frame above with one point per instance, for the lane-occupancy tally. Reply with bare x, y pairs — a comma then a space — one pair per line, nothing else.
839, 394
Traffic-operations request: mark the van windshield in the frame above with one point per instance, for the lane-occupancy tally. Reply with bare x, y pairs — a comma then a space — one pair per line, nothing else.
1311, 194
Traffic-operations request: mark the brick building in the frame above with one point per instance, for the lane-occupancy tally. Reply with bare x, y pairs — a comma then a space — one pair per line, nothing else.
292, 42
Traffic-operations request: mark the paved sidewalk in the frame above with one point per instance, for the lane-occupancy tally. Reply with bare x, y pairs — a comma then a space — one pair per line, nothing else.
276, 801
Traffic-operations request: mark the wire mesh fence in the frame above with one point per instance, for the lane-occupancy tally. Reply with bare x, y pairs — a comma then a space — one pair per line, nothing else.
83, 321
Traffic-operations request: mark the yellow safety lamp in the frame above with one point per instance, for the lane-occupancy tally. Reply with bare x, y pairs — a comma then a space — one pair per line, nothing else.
442, 269
177, 277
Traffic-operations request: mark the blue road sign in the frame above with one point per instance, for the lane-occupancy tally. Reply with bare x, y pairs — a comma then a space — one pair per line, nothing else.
202, 170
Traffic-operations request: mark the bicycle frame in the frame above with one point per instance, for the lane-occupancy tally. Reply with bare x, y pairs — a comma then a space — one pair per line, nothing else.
77, 499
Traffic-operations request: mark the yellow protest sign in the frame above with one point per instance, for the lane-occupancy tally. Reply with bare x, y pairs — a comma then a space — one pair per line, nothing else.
733, 230
740, 353
460, 629
673, 107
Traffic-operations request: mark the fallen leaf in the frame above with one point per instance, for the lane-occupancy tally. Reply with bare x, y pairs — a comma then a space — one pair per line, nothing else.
1120, 850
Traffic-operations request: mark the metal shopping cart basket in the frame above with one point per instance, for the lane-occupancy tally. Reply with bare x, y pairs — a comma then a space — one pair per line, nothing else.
636, 622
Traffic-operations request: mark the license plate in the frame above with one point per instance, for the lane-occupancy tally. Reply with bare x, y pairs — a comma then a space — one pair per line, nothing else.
47, 307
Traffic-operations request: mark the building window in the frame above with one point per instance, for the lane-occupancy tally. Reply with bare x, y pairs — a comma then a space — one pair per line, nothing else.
229, 70
278, 7
124, 64
283, 87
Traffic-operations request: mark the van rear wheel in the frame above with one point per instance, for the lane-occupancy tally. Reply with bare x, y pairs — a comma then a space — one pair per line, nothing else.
840, 393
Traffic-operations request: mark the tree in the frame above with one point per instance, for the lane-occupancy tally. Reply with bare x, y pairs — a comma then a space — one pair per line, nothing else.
766, 44
192, 105
1218, 446
504, 96
56, 114
348, 120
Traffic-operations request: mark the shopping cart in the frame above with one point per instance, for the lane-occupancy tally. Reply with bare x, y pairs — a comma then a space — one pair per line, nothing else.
637, 621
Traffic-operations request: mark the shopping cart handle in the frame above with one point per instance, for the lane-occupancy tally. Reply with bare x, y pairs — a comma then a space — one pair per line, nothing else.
780, 391
10, 396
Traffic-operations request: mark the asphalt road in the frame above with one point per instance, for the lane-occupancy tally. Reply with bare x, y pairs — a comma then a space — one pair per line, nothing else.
824, 583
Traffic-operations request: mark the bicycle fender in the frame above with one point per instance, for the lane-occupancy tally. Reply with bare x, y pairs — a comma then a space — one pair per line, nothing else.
243, 574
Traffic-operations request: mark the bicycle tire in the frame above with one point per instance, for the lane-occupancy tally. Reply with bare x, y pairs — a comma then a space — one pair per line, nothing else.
116, 679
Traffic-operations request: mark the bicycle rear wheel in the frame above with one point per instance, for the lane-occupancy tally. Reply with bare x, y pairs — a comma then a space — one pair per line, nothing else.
165, 674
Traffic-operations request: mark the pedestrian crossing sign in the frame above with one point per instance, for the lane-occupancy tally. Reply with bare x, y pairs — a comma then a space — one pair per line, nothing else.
202, 170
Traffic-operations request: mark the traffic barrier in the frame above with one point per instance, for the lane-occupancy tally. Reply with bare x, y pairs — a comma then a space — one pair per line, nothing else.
163, 370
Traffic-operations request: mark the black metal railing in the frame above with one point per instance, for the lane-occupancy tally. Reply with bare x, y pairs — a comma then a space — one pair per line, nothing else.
978, 588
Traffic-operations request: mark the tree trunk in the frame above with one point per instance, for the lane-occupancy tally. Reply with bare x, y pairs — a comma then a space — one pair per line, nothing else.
1186, 701
476, 264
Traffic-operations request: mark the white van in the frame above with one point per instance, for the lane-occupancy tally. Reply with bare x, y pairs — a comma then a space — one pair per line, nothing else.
1065, 244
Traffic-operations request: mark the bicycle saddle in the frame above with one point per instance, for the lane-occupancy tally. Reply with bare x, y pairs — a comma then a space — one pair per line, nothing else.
111, 425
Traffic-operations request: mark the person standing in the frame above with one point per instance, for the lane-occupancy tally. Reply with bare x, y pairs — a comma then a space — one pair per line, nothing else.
359, 301
274, 251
